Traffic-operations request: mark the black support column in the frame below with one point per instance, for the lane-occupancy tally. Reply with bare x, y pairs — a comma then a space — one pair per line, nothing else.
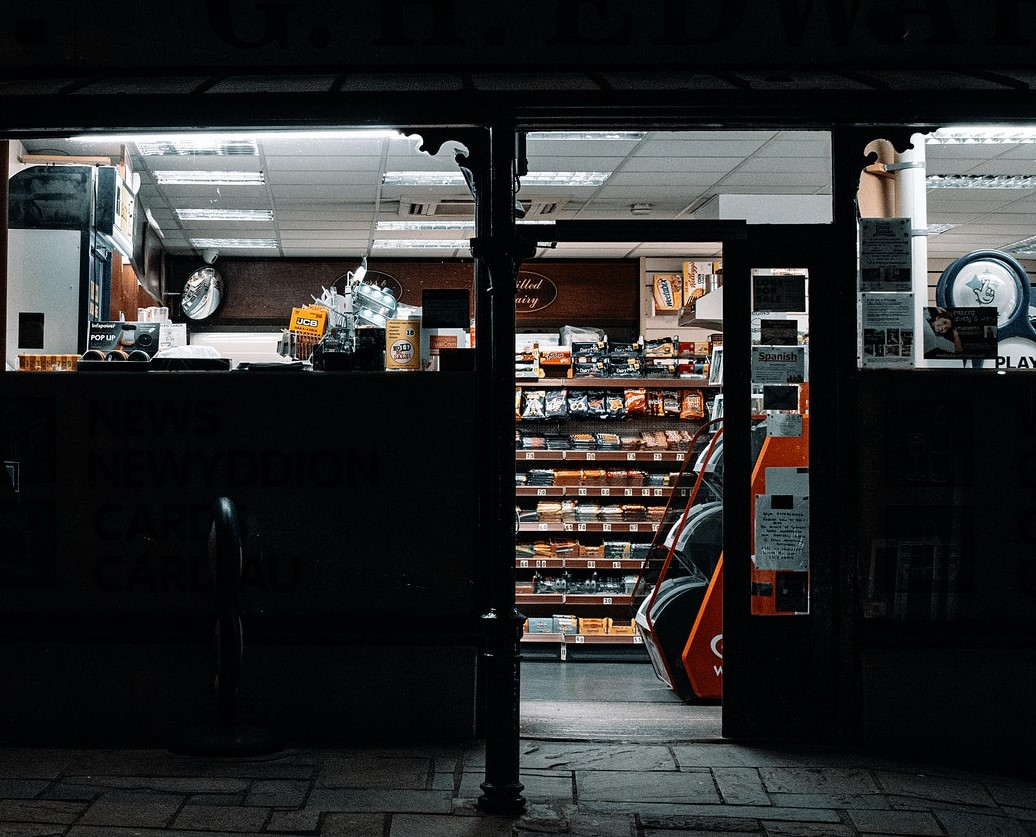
496, 265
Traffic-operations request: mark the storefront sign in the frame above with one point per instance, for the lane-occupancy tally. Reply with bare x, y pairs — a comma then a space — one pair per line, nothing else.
417, 33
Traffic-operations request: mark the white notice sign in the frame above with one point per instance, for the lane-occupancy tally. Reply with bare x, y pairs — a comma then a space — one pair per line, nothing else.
778, 364
782, 532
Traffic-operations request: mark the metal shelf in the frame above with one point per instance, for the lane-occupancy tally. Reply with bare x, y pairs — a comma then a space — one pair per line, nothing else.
646, 456
641, 527
615, 383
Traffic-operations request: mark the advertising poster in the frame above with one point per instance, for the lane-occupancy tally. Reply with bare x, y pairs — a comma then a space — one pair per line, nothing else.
778, 364
885, 254
887, 321
779, 292
960, 333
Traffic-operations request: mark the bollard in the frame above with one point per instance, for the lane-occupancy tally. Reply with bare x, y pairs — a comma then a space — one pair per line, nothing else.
227, 737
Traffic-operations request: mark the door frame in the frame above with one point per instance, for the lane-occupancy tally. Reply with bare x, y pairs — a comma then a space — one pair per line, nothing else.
782, 673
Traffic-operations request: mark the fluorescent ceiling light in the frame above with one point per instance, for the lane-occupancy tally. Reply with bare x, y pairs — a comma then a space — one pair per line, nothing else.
421, 244
235, 243
1025, 247
982, 135
200, 146
981, 181
594, 136
538, 178
939, 229
210, 138
225, 214
210, 178
412, 226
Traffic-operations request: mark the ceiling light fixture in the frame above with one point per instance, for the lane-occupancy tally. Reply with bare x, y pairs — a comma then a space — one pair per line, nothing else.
542, 178
981, 181
188, 146
983, 135
412, 226
224, 214
1025, 248
214, 138
939, 229
592, 136
235, 243
421, 244
210, 178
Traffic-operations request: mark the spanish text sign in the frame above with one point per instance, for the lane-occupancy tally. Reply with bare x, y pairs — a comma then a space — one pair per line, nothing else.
778, 364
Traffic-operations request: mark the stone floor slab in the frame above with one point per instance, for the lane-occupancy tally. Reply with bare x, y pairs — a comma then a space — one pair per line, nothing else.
221, 818
913, 823
575, 756
277, 793
388, 801
127, 808
40, 811
685, 787
414, 825
965, 824
817, 780
935, 787
372, 771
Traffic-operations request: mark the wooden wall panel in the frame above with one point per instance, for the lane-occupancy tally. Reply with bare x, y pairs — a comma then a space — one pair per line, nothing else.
262, 292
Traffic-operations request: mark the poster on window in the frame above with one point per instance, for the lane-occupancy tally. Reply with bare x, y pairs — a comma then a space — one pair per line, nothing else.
885, 254
782, 532
887, 321
960, 333
778, 364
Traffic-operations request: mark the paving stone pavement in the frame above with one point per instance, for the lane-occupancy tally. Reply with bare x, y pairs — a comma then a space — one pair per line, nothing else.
580, 788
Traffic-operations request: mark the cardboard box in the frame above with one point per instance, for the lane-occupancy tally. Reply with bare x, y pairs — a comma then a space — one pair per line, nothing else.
617, 627
309, 320
565, 624
594, 626
403, 345
539, 625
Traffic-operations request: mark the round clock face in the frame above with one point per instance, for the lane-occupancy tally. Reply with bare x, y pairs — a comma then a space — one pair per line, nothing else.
988, 282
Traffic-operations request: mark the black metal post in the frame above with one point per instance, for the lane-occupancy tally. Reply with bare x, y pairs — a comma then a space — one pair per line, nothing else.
496, 262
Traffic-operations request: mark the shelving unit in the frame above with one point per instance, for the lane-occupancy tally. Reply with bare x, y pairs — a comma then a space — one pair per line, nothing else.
579, 566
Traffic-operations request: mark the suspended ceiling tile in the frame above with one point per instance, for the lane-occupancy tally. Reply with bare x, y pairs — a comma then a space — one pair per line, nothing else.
325, 178
273, 84
715, 146
665, 81
533, 81
156, 85
401, 82
322, 193
932, 80
802, 81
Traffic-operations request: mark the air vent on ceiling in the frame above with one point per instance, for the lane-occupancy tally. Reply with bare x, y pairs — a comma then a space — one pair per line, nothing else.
465, 207
444, 207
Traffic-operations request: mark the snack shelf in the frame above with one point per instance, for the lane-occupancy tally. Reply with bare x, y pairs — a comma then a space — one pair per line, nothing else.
617, 383
578, 564
539, 563
599, 599
617, 491
583, 639
641, 527
645, 456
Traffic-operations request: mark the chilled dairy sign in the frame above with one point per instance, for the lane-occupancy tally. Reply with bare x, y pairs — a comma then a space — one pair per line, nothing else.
533, 291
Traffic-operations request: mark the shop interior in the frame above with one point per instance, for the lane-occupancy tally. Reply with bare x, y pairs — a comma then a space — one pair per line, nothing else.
251, 231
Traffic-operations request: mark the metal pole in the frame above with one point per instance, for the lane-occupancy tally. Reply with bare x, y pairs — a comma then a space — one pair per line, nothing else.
497, 261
